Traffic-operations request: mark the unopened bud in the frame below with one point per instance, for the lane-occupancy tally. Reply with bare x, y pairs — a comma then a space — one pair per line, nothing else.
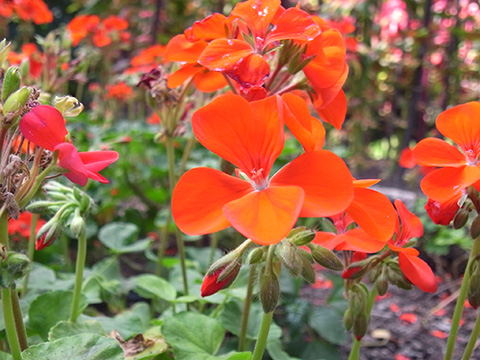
25, 68
15, 267
357, 269
77, 224
381, 283
287, 254
11, 82
212, 283
68, 105
256, 256
460, 219
301, 236
269, 291
396, 277
326, 258
357, 300
375, 272
475, 229
474, 289
4, 50
347, 319
16, 100
360, 326
308, 272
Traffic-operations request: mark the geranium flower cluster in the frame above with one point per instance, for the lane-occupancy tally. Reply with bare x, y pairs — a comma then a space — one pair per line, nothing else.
262, 50
101, 32
26, 10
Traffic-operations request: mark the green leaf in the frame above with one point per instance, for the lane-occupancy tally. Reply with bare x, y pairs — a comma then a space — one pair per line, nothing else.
159, 345
67, 328
50, 308
122, 238
328, 324
5, 356
240, 356
151, 287
326, 350
193, 336
129, 323
77, 347
276, 352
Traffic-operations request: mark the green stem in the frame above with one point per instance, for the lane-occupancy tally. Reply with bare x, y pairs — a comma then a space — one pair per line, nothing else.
19, 325
262, 336
9, 322
172, 181
213, 246
473, 339
31, 250
4, 231
355, 351
77, 291
246, 310
457, 315
163, 244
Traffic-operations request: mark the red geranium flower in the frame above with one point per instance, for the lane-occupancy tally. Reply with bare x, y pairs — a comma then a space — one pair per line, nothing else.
45, 127
459, 169
263, 209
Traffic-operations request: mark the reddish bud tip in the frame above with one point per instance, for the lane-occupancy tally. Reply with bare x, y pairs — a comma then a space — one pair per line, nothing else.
211, 285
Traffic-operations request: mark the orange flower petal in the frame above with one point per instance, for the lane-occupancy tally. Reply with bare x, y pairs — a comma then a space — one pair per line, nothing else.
327, 239
332, 109
180, 49
209, 81
266, 216
199, 197
358, 240
325, 179
179, 77
364, 183
257, 14
437, 152
212, 27
293, 24
251, 136
250, 71
411, 225
418, 272
373, 212
306, 129
224, 54
444, 184
461, 124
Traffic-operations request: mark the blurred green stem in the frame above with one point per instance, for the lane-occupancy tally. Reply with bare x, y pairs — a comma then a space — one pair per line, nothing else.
77, 291
457, 315
9, 322
246, 309
19, 325
473, 339
31, 250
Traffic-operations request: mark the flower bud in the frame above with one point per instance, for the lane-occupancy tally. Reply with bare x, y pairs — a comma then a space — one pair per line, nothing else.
68, 105
77, 224
475, 229
460, 219
357, 300
4, 50
288, 256
212, 284
360, 326
25, 68
474, 290
381, 284
301, 236
269, 291
396, 277
15, 267
308, 272
347, 319
326, 258
11, 82
16, 100
256, 256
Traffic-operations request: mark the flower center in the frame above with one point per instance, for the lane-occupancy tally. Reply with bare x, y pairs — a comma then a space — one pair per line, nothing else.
471, 157
260, 181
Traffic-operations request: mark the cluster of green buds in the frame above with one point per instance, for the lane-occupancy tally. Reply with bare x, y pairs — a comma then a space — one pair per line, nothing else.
293, 55
70, 206
14, 267
355, 316
468, 203
388, 272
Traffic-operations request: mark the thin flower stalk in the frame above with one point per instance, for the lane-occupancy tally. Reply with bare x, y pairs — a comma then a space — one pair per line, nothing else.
246, 309
79, 267
31, 250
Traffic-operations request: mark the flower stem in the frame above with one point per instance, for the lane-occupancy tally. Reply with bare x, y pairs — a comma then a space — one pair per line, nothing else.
19, 325
262, 336
179, 236
457, 315
9, 321
355, 351
31, 250
77, 291
246, 309
473, 339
